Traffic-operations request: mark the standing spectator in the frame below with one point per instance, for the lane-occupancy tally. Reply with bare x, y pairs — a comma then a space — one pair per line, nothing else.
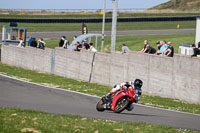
74, 37
30, 40
62, 40
159, 44
195, 50
92, 48
125, 49
150, 50
145, 43
78, 46
163, 48
66, 43
85, 45
33, 43
41, 43
170, 51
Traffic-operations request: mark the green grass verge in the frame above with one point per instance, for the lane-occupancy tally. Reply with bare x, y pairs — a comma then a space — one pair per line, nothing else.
16, 120
135, 43
93, 89
53, 27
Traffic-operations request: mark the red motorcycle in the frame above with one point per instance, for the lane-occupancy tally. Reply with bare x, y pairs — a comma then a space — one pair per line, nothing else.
119, 102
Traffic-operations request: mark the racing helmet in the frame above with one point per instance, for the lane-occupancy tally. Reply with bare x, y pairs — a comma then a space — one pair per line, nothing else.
138, 83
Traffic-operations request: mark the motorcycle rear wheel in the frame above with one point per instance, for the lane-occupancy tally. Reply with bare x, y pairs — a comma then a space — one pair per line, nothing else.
121, 105
99, 106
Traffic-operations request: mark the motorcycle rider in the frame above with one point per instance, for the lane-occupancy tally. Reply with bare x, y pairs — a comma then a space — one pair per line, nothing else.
137, 85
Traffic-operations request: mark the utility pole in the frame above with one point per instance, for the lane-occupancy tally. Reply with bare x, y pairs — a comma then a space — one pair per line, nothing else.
114, 25
103, 26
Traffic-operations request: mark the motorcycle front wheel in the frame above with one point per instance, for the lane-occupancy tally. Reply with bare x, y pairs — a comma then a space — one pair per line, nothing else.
121, 105
99, 106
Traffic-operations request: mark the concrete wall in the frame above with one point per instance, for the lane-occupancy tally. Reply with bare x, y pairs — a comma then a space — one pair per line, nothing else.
29, 58
75, 65
177, 77
0, 53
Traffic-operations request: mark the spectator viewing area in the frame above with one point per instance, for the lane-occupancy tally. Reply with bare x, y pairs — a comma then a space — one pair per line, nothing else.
13, 35
86, 37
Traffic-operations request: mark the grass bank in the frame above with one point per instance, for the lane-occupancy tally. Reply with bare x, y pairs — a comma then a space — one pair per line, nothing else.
16, 120
93, 89
135, 43
53, 27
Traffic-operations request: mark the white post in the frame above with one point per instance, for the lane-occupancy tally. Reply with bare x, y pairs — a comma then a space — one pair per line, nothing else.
114, 25
103, 26
197, 31
96, 41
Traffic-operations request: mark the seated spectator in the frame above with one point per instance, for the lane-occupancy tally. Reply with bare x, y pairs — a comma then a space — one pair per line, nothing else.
92, 48
198, 45
78, 46
170, 50
41, 43
195, 50
85, 45
13, 38
145, 43
33, 43
125, 49
150, 50
21, 43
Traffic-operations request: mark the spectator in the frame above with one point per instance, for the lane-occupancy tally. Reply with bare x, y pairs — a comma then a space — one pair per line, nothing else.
33, 43
163, 48
85, 45
92, 49
145, 43
150, 50
21, 43
66, 43
159, 44
74, 37
30, 40
125, 49
78, 46
62, 40
170, 51
13, 38
195, 50
198, 45
41, 43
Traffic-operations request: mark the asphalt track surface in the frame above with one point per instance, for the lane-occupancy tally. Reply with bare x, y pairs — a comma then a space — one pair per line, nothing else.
108, 33
16, 93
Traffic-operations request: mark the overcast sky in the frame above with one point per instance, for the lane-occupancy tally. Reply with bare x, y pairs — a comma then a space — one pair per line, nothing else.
76, 4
